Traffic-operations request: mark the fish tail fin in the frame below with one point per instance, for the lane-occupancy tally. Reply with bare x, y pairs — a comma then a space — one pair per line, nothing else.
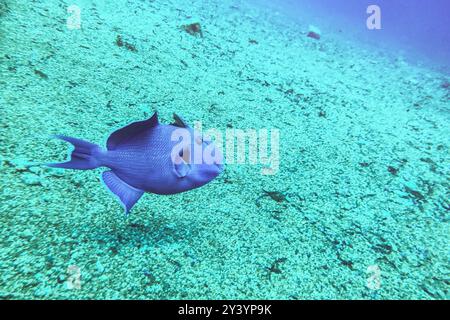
83, 157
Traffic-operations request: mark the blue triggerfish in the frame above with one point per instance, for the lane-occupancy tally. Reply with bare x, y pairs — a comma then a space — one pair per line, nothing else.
147, 156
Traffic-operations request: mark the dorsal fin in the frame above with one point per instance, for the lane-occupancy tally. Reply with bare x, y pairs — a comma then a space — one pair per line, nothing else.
179, 122
121, 136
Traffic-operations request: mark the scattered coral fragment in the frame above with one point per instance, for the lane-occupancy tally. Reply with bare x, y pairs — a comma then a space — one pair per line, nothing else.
31, 179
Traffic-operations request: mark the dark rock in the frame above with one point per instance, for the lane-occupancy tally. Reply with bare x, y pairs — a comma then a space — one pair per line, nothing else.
314, 35
194, 29
41, 74
347, 263
275, 195
383, 248
289, 91
314, 32
121, 43
416, 194
130, 47
392, 170
275, 267
364, 164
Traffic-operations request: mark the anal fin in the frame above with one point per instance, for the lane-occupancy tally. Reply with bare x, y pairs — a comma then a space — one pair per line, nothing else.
127, 194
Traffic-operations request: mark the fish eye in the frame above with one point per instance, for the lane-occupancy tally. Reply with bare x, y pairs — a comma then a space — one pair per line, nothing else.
199, 140
185, 154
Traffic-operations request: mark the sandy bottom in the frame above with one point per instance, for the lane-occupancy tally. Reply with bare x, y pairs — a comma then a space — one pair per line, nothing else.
359, 208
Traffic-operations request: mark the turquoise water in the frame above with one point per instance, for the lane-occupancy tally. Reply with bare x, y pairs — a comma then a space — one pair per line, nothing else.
357, 209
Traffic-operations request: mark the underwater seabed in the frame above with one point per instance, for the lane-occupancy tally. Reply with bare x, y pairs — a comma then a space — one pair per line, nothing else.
357, 210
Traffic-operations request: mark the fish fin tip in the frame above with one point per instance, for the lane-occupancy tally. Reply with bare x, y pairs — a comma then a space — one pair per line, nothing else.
126, 194
179, 122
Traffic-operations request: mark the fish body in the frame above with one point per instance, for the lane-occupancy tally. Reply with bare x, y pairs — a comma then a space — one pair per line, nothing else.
147, 156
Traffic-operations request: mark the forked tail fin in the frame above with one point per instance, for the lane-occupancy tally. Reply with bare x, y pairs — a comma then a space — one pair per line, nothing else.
83, 157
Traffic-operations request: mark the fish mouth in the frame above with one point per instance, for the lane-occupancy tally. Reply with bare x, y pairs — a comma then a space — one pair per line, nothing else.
220, 167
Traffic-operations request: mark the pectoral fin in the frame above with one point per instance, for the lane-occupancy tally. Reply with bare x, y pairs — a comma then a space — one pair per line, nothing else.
127, 195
